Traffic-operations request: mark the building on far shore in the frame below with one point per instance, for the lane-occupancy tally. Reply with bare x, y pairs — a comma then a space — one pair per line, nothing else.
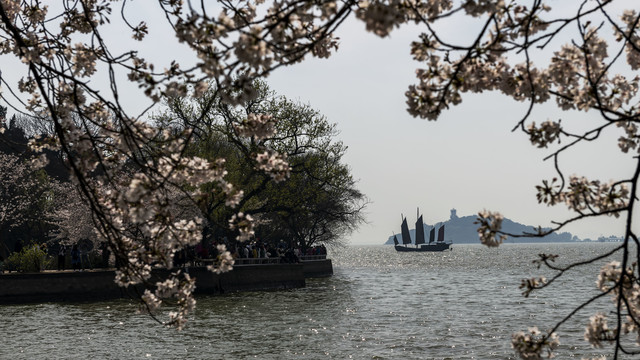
610, 239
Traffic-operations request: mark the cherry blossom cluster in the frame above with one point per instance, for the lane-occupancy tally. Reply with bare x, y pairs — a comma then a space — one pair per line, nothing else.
148, 215
583, 195
533, 345
238, 43
380, 18
549, 192
631, 138
224, 261
258, 126
150, 227
630, 34
489, 227
274, 164
244, 224
178, 288
233, 196
625, 289
547, 133
528, 285
578, 75
72, 215
163, 221
16, 183
598, 330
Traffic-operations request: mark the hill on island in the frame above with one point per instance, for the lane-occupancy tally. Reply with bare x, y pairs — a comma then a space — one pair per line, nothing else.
462, 230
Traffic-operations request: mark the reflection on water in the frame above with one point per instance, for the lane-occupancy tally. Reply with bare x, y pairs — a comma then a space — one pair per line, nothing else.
380, 304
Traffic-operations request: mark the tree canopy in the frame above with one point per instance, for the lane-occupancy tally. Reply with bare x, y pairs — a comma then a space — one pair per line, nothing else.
316, 202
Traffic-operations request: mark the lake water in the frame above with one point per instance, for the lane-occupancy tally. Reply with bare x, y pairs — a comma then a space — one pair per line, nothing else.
463, 304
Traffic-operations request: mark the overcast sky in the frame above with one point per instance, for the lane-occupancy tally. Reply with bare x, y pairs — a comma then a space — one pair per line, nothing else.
469, 159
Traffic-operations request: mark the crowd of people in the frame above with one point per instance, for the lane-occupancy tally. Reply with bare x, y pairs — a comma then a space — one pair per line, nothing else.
82, 258
285, 253
252, 250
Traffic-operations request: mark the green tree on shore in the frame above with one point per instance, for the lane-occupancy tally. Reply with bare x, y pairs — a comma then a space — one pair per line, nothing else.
27, 199
318, 202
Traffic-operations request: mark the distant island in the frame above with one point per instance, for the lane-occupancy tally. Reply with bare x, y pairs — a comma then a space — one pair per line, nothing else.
462, 230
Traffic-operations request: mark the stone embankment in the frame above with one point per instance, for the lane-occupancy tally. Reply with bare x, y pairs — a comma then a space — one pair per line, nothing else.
71, 286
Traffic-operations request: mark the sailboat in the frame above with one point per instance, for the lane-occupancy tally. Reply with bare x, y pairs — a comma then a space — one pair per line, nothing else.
420, 244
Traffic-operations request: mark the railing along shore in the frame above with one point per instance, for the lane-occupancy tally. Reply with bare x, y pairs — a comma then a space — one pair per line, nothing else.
261, 261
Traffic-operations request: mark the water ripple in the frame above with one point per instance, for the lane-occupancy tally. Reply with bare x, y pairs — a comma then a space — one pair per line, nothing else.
379, 304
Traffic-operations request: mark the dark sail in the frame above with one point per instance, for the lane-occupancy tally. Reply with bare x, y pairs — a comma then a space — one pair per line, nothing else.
419, 231
406, 237
441, 234
395, 240
432, 235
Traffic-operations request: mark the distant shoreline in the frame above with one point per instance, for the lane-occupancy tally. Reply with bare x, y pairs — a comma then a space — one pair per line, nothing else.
523, 242
464, 230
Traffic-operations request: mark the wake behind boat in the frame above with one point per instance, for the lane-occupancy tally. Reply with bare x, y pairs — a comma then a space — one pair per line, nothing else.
421, 245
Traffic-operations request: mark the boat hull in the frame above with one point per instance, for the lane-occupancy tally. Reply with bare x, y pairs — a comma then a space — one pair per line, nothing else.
425, 248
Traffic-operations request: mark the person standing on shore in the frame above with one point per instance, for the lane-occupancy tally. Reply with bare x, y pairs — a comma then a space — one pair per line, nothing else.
85, 262
105, 254
61, 257
75, 257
